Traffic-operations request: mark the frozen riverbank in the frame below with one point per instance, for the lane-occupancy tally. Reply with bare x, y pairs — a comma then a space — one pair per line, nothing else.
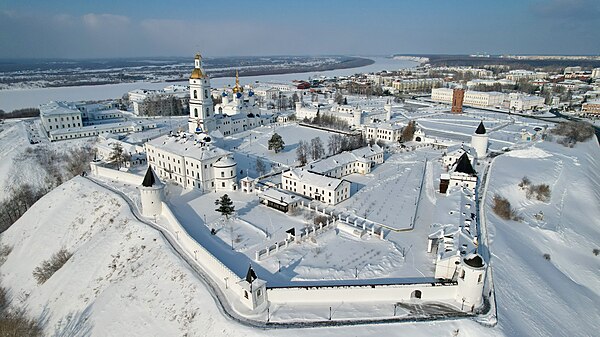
25, 98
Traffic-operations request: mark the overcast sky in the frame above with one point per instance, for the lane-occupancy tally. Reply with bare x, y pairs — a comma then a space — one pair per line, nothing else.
119, 28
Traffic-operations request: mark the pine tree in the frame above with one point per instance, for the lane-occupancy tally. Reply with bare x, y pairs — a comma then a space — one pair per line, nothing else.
225, 204
276, 143
118, 156
260, 167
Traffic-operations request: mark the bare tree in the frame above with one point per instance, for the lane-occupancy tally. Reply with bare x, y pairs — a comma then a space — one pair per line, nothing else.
302, 152
316, 148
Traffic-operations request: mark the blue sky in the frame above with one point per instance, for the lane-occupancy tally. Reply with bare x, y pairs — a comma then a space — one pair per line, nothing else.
85, 28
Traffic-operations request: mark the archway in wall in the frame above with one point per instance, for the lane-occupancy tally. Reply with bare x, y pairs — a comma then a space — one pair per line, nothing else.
416, 294
418, 139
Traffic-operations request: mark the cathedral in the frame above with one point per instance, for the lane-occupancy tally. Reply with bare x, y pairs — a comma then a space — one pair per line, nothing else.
237, 112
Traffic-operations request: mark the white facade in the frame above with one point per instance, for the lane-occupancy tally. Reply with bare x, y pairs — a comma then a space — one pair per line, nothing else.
191, 162
315, 186
59, 116
520, 102
472, 98
596, 73
519, 74
386, 132
100, 129
356, 161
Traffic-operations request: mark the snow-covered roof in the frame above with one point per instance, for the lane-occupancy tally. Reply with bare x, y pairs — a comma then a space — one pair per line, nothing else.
302, 175
454, 225
57, 108
280, 196
224, 162
187, 145
346, 157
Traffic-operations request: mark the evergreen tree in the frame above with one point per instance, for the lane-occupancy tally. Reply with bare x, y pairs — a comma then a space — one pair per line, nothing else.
225, 204
260, 167
118, 156
276, 143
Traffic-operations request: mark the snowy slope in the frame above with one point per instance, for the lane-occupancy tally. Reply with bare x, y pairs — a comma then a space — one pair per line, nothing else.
124, 279
559, 297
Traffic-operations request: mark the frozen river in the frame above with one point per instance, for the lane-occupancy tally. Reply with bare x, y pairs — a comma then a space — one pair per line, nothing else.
26, 98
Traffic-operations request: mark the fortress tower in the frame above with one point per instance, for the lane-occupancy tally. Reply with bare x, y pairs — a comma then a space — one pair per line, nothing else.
151, 194
479, 141
470, 282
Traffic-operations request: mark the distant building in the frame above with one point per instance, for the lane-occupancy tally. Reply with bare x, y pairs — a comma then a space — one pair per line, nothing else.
385, 132
316, 186
471, 98
417, 84
67, 120
519, 74
170, 101
520, 102
596, 73
591, 108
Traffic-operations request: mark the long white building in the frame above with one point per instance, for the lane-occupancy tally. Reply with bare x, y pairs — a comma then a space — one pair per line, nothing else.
316, 186
192, 161
472, 98
356, 161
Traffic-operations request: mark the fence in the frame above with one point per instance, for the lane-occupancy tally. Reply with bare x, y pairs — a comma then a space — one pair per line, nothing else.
301, 235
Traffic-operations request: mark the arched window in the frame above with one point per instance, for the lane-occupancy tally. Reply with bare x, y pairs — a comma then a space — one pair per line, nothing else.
195, 94
205, 93
195, 112
207, 113
416, 294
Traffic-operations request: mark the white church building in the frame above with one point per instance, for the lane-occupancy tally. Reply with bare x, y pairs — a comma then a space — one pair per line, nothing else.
235, 114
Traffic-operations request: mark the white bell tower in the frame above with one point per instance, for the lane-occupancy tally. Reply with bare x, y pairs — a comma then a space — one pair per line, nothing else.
201, 104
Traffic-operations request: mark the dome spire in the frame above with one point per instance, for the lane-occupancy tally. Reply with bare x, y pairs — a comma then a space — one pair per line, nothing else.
237, 87
198, 72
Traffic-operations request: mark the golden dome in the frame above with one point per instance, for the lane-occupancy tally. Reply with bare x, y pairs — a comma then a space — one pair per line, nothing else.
197, 73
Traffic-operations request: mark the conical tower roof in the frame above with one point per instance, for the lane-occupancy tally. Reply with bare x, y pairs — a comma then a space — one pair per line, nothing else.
480, 129
250, 275
463, 165
150, 179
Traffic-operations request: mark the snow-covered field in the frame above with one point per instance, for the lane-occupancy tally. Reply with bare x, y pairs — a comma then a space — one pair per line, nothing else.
124, 278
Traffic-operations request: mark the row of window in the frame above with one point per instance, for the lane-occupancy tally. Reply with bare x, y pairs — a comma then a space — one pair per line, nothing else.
68, 126
62, 119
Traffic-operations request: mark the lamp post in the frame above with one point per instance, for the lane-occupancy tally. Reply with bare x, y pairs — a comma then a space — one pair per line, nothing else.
278, 265
177, 235
195, 257
226, 278
395, 306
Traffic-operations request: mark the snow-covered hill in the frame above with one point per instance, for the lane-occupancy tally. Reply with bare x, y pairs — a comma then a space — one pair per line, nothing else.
125, 279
